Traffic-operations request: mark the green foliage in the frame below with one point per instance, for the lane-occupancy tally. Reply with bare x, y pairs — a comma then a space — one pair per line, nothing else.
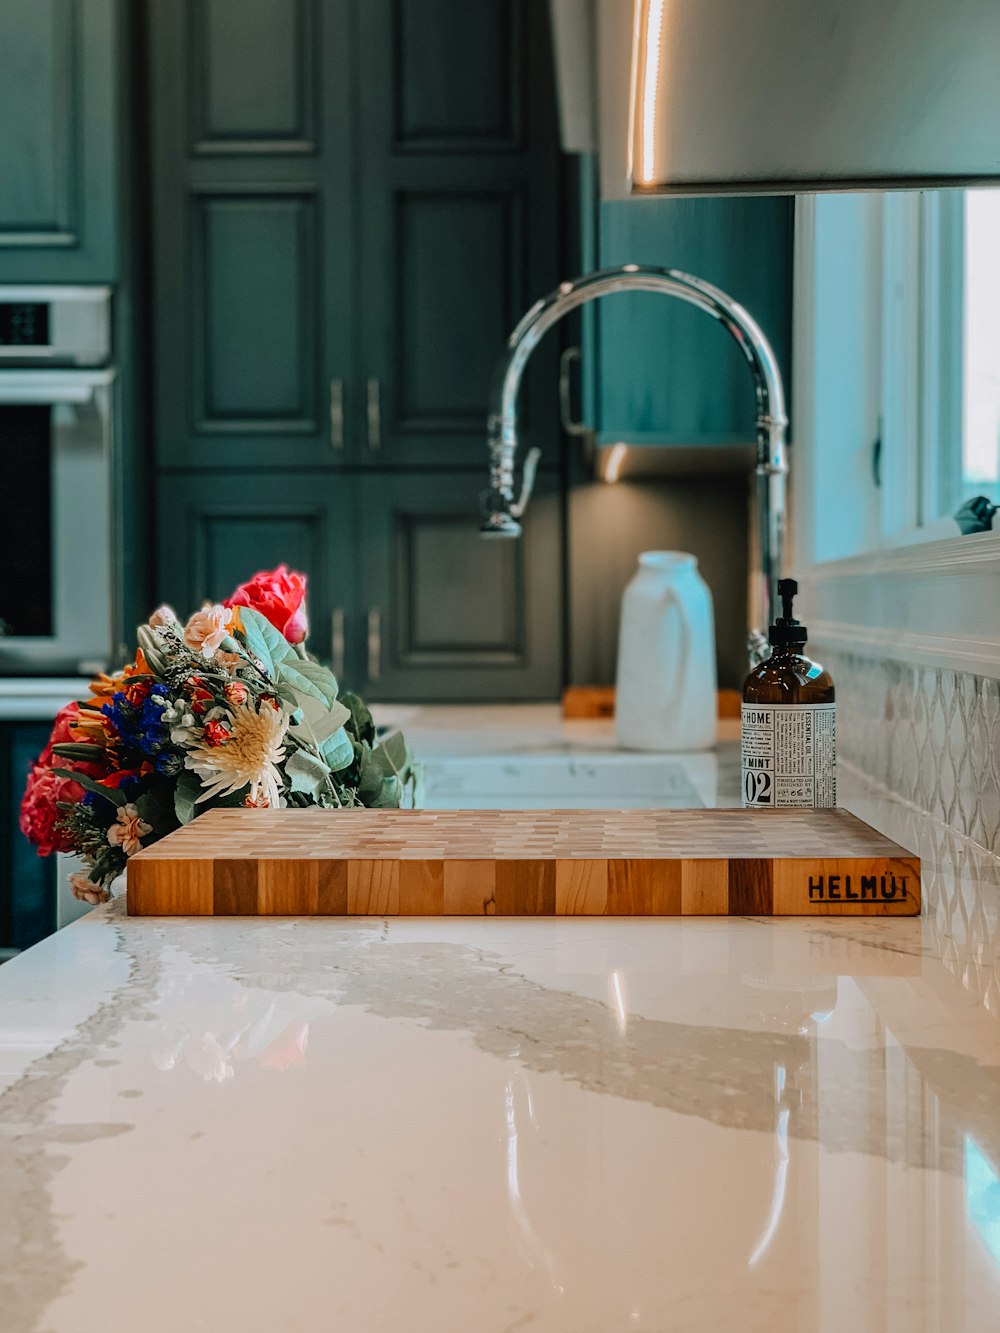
362, 724
307, 772
112, 794
262, 640
186, 794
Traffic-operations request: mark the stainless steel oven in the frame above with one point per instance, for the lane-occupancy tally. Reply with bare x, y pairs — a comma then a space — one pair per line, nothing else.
57, 446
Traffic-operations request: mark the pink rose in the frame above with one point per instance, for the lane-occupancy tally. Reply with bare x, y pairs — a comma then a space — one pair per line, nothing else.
280, 597
207, 628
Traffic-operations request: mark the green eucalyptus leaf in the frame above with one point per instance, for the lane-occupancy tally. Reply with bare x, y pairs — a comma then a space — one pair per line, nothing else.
186, 793
362, 722
391, 795
394, 755
262, 640
305, 676
306, 772
338, 750
113, 794
371, 776
320, 721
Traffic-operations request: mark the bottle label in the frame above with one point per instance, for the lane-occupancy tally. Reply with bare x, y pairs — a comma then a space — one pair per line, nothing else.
789, 755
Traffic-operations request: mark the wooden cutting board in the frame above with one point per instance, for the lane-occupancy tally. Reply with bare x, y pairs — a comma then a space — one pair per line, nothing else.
524, 863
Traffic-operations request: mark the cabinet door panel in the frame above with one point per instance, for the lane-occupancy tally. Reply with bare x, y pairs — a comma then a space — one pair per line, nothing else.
459, 220
470, 103
450, 614
229, 527
58, 169
255, 313
457, 254
253, 76
252, 231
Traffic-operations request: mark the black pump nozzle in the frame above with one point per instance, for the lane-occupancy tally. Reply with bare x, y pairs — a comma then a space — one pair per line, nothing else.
787, 589
786, 629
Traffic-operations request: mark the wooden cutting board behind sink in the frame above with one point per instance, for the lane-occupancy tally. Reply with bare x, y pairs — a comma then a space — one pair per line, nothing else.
524, 863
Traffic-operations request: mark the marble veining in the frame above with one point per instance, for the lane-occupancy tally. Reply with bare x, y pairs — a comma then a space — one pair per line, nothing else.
457, 1124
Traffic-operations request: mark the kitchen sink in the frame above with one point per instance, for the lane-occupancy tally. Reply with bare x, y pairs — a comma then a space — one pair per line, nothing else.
571, 782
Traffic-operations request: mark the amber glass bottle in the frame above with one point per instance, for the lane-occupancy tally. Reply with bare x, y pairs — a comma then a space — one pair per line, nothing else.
789, 755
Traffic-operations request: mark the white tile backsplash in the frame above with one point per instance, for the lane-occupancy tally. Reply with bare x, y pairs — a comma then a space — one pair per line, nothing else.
930, 735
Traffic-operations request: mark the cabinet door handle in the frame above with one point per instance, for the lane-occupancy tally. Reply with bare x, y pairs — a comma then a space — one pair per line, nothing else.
374, 643
337, 642
336, 414
374, 414
569, 423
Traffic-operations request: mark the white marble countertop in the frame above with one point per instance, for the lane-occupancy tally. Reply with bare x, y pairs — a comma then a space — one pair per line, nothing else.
456, 1125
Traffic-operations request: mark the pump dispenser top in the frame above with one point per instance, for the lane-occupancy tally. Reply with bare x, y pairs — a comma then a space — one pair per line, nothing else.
786, 630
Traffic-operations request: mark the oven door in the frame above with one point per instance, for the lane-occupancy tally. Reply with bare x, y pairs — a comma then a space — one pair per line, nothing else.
56, 521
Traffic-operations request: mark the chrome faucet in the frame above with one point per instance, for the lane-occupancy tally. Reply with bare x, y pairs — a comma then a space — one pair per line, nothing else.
503, 511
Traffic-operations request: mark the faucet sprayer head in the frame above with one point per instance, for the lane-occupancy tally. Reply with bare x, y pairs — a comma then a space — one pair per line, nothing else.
500, 525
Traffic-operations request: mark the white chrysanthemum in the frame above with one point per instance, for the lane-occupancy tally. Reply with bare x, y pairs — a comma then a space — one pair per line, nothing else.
249, 757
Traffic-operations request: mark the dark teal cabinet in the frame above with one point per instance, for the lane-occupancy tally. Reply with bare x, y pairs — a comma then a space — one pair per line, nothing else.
27, 881
354, 201
446, 613
406, 599
217, 530
60, 161
251, 121
660, 371
458, 193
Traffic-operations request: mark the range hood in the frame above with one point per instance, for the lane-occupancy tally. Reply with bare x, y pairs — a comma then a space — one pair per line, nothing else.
787, 96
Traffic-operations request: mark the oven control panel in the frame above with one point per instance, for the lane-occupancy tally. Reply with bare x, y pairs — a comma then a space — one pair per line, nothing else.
24, 324
55, 326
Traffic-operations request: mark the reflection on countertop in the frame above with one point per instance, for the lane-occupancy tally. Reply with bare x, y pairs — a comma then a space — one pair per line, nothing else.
448, 1124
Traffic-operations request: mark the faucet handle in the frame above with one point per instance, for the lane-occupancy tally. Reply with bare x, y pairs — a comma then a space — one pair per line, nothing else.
528, 474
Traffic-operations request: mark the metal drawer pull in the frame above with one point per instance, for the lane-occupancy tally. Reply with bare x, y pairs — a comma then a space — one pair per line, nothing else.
336, 414
337, 642
374, 643
569, 424
374, 414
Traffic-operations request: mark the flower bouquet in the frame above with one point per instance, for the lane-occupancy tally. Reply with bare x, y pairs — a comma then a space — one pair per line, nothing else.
226, 710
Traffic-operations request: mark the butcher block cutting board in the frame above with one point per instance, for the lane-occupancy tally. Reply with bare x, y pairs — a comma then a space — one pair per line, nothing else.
524, 863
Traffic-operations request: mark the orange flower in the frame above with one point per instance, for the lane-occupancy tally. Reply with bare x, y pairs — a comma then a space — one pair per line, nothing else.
129, 830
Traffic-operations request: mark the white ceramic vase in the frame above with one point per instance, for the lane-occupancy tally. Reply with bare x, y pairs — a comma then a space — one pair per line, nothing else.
666, 689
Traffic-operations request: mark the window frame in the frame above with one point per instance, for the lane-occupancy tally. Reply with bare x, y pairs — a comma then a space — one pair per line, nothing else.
916, 590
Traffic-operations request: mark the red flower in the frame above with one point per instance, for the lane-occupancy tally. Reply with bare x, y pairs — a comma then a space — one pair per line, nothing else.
62, 734
199, 695
137, 692
39, 812
116, 779
46, 789
216, 733
236, 692
280, 597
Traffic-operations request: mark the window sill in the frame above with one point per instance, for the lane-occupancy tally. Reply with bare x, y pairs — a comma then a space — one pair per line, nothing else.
932, 603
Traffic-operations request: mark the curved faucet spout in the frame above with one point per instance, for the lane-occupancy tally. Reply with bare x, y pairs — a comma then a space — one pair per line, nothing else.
503, 511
